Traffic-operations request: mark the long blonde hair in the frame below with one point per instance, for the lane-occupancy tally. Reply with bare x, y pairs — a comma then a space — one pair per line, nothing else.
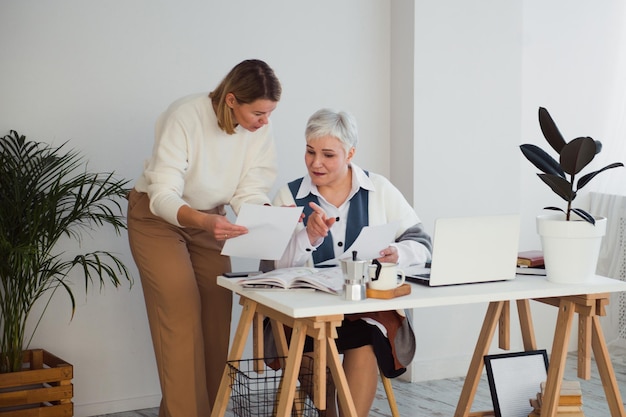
248, 81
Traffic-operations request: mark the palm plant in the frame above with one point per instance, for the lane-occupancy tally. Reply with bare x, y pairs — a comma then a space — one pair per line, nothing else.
560, 175
47, 194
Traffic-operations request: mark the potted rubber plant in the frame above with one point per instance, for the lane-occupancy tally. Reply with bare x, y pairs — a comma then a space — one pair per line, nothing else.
570, 238
46, 195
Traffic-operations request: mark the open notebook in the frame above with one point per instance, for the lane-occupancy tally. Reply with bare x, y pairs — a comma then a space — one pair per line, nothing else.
471, 249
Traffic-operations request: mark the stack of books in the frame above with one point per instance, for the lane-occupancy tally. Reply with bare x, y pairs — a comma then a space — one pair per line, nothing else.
530, 262
530, 259
570, 401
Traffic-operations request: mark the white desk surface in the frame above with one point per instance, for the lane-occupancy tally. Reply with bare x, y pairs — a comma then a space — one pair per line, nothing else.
299, 303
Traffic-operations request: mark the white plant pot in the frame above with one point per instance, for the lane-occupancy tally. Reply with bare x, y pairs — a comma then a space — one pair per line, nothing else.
570, 248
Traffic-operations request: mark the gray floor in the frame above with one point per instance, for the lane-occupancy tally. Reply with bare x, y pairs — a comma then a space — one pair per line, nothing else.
439, 398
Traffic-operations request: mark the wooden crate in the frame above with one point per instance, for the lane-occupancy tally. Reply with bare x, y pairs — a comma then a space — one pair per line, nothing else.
43, 389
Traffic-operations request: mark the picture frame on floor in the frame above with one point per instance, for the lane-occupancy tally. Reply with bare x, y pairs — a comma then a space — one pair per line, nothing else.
515, 378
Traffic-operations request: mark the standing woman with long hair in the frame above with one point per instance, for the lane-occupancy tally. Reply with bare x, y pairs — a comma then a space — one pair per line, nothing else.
210, 150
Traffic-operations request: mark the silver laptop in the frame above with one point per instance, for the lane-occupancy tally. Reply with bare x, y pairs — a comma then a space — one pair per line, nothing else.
471, 249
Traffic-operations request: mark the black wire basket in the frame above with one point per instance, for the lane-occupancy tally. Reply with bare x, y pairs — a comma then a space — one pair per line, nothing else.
255, 394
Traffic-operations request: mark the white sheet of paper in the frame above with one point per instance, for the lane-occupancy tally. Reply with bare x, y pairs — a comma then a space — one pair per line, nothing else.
269, 231
371, 241
368, 244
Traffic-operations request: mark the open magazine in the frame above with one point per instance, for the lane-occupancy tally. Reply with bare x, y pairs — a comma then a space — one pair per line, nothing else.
329, 280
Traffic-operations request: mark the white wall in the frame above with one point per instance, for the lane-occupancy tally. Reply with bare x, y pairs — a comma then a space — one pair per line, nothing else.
466, 130
98, 73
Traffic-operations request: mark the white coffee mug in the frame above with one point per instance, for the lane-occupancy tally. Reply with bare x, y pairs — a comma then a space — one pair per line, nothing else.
384, 276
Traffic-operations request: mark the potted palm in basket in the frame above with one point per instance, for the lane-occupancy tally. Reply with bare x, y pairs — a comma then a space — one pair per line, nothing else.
570, 238
47, 194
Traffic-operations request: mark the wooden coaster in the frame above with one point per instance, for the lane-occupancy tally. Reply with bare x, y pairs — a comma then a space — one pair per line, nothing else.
403, 289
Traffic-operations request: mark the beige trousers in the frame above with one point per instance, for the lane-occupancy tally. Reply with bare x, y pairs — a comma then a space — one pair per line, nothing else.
189, 314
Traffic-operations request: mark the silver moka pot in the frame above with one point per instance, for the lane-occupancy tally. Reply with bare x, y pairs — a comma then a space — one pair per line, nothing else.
355, 275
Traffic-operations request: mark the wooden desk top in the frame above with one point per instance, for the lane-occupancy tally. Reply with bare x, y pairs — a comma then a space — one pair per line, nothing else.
300, 303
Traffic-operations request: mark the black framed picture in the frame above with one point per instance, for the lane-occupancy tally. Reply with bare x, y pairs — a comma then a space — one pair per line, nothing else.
515, 378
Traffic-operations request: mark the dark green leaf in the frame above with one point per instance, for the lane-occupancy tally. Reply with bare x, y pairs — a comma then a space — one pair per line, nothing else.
550, 131
598, 146
584, 215
577, 154
540, 159
588, 177
559, 185
554, 208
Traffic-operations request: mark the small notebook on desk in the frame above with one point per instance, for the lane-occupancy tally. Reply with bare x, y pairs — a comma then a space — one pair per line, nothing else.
470, 249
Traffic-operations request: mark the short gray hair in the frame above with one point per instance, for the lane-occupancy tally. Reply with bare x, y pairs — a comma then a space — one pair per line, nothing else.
338, 124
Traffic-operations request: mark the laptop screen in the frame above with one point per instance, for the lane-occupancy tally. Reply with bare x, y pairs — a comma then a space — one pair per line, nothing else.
473, 249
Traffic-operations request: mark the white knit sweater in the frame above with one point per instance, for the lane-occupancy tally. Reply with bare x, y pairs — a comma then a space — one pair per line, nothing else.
197, 164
